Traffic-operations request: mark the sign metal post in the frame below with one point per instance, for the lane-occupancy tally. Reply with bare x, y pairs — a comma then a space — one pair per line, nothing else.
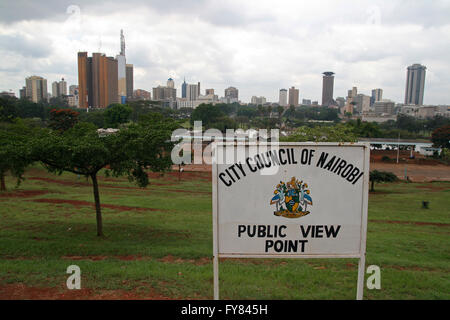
321, 196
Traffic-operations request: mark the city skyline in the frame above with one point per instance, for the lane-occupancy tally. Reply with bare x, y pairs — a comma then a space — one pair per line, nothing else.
370, 49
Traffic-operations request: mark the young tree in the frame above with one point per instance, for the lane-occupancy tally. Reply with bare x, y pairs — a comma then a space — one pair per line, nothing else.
14, 152
381, 176
129, 152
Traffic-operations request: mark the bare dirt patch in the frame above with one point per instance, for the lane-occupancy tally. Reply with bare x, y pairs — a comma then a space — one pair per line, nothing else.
415, 172
23, 292
100, 258
198, 262
79, 203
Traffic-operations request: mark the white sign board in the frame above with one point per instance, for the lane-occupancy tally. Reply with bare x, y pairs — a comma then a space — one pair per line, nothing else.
299, 200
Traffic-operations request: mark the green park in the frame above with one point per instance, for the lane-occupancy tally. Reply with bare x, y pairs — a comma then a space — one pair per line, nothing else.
137, 228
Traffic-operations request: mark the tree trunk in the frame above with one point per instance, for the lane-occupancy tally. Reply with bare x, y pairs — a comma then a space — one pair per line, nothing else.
372, 187
98, 209
3, 184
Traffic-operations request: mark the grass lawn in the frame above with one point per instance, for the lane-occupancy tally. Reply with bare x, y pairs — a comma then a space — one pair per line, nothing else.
159, 240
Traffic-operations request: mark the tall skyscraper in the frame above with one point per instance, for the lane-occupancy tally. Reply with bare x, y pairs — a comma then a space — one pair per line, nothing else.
293, 96
415, 84
97, 80
130, 81
377, 95
36, 88
121, 70
327, 88
170, 83
192, 92
282, 101
183, 88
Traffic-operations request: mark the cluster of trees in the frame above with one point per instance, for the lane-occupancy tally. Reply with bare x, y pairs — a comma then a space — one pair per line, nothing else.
71, 145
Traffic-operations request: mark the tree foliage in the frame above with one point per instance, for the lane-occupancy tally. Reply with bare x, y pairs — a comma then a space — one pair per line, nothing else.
441, 137
14, 150
117, 114
128, 152
63, 119
381, 176
208, 114
337, 133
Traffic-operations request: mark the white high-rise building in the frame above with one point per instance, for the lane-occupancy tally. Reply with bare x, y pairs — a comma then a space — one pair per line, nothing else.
121, 70
258, 100
283, 100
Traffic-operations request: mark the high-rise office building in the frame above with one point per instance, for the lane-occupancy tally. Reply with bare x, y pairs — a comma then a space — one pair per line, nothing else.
282, 100
59, 88
167, 96
327, 88
232, 93
140, 94
170, 83
209, 92
23, 93
415, 84
192, 92
130, 81
36, 88
258, 100
72, 98
97, 80
121, 70
293, 96
183, 88
362, 103
377, 95
161, 93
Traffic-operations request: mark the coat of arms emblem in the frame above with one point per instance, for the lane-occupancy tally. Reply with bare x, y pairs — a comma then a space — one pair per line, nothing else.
291, 199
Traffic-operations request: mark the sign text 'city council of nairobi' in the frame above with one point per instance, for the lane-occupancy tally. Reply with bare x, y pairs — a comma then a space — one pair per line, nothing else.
311, 205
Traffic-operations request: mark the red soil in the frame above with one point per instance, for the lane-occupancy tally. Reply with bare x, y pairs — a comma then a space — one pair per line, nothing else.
22, 193
197, 262
99, 258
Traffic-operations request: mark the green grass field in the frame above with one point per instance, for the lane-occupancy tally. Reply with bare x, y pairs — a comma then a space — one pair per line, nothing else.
159, 240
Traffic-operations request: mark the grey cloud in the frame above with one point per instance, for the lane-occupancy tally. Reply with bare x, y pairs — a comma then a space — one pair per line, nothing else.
24, 46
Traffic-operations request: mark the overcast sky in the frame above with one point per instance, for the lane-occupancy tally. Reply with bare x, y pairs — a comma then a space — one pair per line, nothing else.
257, 46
